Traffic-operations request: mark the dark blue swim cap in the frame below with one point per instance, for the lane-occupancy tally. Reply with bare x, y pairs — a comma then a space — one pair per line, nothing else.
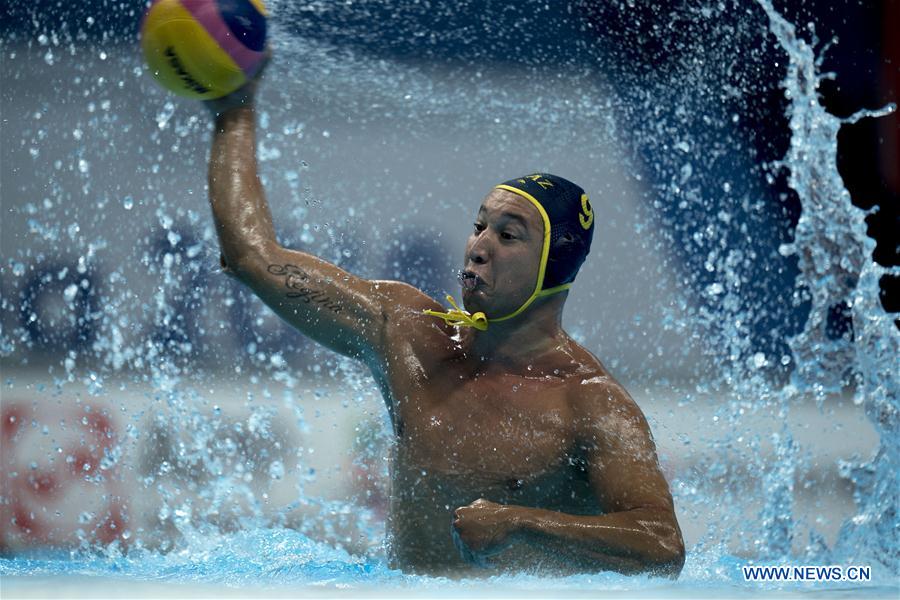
568, 229
571, 217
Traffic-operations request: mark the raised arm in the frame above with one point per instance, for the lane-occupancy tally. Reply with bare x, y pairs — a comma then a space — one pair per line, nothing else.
333, 307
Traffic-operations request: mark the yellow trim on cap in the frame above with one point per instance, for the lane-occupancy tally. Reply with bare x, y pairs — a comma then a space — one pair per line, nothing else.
545, 254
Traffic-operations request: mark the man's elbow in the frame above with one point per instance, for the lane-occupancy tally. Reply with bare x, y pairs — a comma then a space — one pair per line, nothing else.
668, 557
243, 263
674, 561
234, 267
664, 553
226, 267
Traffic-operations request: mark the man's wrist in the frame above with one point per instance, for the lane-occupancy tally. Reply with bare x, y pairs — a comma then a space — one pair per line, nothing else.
521, 518
231, 112
232, 117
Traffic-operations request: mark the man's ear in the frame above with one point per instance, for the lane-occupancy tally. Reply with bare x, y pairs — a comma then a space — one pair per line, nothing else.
566, 257
565, 239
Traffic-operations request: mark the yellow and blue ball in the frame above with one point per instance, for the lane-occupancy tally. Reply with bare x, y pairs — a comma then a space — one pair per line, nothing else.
204, 49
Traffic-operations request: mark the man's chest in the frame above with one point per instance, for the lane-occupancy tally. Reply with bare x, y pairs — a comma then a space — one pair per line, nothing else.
494, 426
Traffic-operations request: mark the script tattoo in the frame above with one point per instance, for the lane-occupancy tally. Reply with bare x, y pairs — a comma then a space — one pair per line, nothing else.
297, 281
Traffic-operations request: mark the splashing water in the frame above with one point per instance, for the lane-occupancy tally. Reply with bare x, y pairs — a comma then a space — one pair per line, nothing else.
836, 266
221, 427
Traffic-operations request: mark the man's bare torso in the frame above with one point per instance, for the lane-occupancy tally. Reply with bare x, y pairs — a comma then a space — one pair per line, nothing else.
467, 429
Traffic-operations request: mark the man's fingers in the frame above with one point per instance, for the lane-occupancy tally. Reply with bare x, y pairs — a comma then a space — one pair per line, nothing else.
464, 550
477, 504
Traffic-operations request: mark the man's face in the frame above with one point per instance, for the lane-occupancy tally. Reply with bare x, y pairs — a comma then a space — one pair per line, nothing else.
503, 255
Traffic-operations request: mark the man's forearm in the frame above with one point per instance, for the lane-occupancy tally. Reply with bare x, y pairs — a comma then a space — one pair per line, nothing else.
642, 539
242, 217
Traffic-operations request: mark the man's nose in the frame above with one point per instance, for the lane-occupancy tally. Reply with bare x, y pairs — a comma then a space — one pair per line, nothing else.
479, 250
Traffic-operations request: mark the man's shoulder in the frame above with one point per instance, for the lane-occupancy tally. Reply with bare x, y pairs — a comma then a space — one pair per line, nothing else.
592, 389
404, 309
601, 406
600, 392
402, 299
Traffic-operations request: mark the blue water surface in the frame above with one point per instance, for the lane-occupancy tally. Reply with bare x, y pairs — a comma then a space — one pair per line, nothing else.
284, 559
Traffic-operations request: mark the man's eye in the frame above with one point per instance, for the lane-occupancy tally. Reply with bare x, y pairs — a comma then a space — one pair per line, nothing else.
507, 236
478, 226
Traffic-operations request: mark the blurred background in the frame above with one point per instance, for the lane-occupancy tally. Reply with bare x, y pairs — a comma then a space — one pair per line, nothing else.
146, 396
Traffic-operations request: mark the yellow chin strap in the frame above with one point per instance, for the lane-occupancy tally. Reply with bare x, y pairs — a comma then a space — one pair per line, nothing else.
461, 318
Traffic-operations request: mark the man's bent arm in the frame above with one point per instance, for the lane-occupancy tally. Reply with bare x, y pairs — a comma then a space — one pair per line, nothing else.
633, 541
639, 531
324, 302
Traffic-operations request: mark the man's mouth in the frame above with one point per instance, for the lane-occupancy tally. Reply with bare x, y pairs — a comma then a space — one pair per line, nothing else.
469, 280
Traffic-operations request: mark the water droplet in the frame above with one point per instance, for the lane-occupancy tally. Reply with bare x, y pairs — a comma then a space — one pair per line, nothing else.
70, 292
163, 116
276, 470
714, 289
759, 360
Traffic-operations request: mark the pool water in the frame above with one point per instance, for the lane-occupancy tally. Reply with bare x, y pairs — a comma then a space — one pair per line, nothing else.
281, 561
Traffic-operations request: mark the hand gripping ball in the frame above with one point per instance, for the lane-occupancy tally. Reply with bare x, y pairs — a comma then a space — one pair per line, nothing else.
204, 49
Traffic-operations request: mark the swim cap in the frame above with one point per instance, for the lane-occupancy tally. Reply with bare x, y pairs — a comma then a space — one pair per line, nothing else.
567, 210
568, 230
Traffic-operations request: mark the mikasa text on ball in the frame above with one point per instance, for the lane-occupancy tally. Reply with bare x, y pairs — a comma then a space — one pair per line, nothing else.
204, 49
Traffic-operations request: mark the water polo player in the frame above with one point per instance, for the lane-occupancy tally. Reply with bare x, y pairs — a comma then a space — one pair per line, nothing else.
514, 448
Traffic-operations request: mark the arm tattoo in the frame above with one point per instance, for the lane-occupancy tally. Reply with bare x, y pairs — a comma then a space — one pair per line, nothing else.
296, 280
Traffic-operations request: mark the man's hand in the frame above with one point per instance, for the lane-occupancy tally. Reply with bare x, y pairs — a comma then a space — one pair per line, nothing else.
241, 97
483, 528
